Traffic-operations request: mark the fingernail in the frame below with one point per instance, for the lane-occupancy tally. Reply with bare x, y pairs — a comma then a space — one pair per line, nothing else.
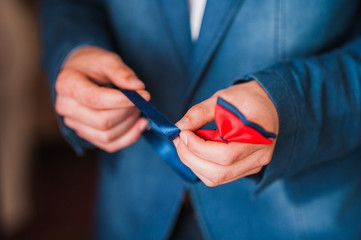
145, 95
135, 81
176, 142
184, 138
183, 123
143, 125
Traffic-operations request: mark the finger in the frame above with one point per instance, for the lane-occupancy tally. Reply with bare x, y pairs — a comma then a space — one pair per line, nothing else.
256, 162
216, 174
120, 74
106, 136
209, 183
208, 171
104, 67
250, 172
98, 119
74, 84
220, 153
198, 115
125, 140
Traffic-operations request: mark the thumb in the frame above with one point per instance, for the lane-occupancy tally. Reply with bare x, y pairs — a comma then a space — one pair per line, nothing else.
198, 115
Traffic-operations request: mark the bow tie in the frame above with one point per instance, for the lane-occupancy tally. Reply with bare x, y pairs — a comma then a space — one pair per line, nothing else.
232, 126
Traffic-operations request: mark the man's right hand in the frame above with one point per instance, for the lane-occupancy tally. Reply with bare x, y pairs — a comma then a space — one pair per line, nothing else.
98, 113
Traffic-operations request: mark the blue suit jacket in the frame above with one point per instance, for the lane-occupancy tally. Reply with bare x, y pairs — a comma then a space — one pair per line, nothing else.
305, 53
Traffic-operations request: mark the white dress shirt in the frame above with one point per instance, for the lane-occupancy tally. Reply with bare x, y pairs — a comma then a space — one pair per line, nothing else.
196, 11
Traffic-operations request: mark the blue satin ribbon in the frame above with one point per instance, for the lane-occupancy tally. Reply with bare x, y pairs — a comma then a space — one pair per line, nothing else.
161, 134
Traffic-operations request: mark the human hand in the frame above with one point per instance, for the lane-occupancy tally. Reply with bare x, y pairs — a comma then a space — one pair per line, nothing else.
218, 163
96, 112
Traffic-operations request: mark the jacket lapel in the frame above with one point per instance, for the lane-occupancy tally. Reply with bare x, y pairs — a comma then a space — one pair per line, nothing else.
176, 20
194, 58
217, 18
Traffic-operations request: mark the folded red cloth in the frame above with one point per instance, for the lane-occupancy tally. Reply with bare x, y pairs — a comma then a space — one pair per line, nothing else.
233, 126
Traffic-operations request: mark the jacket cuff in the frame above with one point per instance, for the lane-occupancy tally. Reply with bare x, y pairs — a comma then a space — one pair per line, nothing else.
278, 90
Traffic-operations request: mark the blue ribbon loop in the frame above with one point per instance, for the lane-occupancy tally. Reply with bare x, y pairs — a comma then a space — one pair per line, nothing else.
161, 126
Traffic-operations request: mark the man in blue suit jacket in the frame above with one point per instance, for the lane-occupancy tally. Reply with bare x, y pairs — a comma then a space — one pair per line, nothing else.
297, 65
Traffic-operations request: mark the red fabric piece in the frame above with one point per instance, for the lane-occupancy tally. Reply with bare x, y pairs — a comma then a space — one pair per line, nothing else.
231, 129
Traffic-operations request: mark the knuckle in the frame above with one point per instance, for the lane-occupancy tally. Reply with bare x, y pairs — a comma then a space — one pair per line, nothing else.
209, 183
257, 170
104, 124
62, 80
82, 135
66, 122
195, 112
199, 108
228, 158
59, 85
110, 149
67, 82
218, 176
106, 137
59, 107
263, 161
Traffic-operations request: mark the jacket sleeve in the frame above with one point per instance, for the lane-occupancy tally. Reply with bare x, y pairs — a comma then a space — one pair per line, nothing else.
318, 100
67, 25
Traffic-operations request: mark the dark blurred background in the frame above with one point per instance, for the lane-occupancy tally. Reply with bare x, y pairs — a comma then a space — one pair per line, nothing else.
46, 191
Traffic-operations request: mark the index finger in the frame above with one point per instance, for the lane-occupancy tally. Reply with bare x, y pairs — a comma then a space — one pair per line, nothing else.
78, 86
119, 73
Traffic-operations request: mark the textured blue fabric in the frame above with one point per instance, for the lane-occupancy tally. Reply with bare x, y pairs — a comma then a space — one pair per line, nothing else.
307, 56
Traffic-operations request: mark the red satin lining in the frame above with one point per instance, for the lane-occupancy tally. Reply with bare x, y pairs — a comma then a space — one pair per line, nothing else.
231, 129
